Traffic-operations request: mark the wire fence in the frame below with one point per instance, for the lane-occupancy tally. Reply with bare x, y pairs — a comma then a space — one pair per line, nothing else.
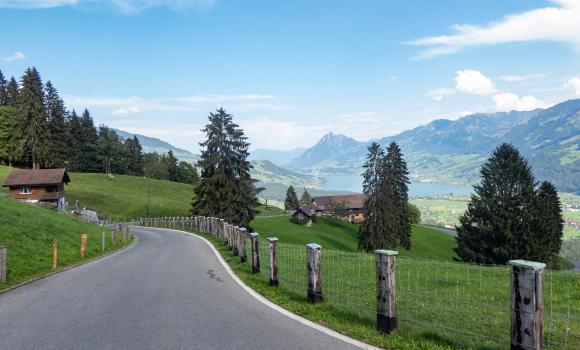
463, 305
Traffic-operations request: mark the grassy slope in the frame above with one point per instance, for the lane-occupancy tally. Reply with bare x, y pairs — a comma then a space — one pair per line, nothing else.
427, 243
28, 232
125, 196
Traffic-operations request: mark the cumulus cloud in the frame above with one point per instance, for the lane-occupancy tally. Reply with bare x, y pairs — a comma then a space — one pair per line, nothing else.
507, 101
123, 6
473, 82
559, 23
574, 85
17, 56
126, 111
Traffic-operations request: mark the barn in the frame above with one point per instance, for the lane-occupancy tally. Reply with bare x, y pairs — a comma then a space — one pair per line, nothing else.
38, 186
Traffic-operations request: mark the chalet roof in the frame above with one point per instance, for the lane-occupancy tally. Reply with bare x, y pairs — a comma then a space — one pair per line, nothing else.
353, 201
305, 209
36, 177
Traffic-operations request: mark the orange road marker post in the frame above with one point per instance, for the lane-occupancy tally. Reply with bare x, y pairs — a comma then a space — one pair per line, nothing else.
54, 254
83, 244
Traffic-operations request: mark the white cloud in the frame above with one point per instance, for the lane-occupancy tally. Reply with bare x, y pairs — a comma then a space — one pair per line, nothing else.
574, 84
126, 111
17, 56
516, 78
440, 93
129, 7
507, 101
473, 82
560, 23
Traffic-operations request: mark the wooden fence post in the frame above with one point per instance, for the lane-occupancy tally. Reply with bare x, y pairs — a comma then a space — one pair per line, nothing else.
3, 263
527, 305
83, 245
255, 252
230, 231
103, 241
243, 251
235, 240
313, 265
54, 254
113, 240
273, 258
386, 301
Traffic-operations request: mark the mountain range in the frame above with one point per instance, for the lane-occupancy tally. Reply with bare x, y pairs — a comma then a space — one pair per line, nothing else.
152, 144
448, 151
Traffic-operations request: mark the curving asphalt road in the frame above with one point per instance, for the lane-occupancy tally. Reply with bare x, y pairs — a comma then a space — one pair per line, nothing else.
167, 291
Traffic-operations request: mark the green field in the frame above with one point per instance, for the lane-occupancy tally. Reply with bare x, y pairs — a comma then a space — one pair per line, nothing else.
427, 243
125, 196
440, 304
28, 232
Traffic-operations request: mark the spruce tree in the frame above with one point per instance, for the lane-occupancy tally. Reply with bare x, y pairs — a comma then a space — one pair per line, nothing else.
57, 130
12, 92
291, 202
74, 141
110, 151
497, 225
226, 189
3, 90
89, 137
396, 177
306, 198
172, 164
31, 134
548, 224
372, 233
134, 156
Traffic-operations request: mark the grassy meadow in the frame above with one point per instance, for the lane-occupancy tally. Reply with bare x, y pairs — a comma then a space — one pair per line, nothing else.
28, 232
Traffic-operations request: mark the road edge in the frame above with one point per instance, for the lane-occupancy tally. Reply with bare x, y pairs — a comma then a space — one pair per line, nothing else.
276, 307
67, 268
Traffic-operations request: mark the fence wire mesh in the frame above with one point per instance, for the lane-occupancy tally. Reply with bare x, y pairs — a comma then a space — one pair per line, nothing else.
463, 305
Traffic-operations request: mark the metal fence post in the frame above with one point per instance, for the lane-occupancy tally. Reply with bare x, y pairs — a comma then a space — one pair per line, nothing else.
386, 297
313, 265
527, 305
273, 259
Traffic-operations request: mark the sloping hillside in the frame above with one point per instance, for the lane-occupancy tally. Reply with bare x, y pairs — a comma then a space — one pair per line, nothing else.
452, 151
28, 232
152, 144
126, 196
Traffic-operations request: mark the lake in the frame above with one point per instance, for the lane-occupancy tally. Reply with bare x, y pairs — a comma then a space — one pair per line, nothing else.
353, 183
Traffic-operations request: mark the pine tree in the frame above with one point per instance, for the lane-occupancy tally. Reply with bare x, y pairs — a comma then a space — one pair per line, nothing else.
3, 90
396, 179
74, 141
110, 151
57, 130
134, 156
89, 137
497, 225
31, 135
12, 93
8, 117
306, 198
548, 224
226, 189
372, 233
172, 166
291, 202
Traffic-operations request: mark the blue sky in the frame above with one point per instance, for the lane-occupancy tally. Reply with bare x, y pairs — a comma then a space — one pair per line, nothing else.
291, 71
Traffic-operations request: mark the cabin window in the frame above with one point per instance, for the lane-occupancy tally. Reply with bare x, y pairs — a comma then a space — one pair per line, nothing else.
25, 190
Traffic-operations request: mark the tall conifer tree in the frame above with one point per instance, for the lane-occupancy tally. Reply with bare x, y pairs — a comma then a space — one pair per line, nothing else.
135, 159
497, 225
31, 135
548, 224
12, 92
291, 202
226, 189
57, 133
3, 90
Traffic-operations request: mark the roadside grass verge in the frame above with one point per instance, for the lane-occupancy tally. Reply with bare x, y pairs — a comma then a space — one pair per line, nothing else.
28, 232
441, 305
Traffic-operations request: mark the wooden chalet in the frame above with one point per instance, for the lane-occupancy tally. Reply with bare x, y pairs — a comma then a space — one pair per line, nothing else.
354, 205
38, 186
303, 214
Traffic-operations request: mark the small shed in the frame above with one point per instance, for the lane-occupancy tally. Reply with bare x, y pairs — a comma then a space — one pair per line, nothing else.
303, 215
38, 186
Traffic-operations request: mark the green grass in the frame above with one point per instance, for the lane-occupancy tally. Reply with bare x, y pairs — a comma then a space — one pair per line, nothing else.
427, 243
440, 305
125, 196
28, 232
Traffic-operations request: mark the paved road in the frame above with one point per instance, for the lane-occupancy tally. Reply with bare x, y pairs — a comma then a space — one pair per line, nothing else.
168, 291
